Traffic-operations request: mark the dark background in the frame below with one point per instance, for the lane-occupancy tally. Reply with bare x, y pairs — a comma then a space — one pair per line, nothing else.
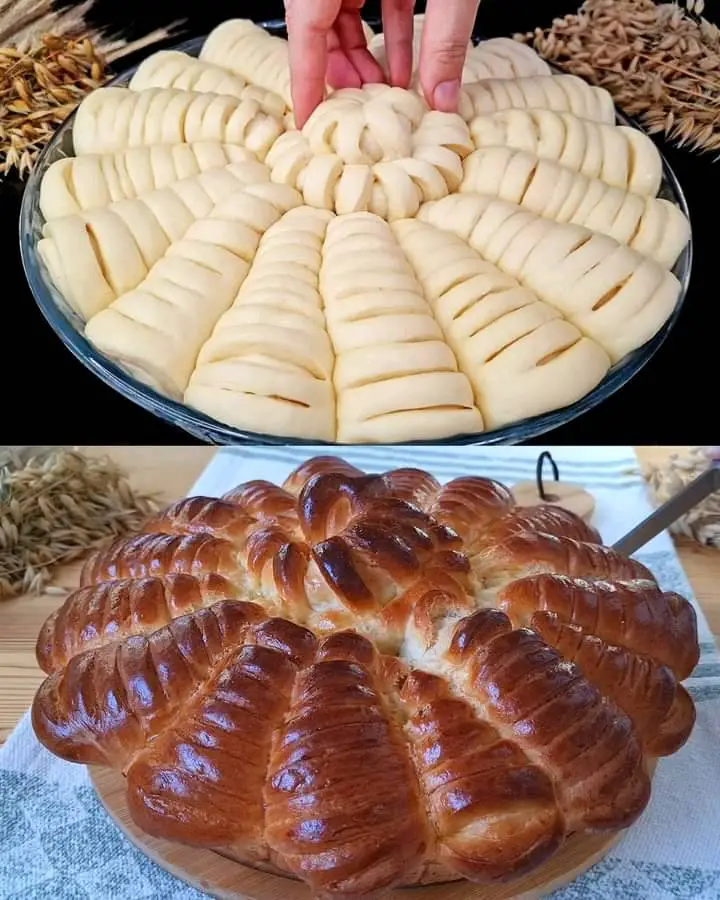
49, 395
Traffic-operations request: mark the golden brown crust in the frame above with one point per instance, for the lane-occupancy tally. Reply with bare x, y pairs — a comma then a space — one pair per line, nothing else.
539, 675
342, 804
468, 505
585, 744
634, 614
642, 688
318, 465
412, 486
202, 780
145, 555
205, 515
527, 553
113, 610
553, 520
264, 500
478, 784
106, 703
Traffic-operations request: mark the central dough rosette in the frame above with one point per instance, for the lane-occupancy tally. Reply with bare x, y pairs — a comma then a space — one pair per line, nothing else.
378, 149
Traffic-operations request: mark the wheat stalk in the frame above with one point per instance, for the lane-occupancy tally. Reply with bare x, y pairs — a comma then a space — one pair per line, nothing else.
660, 62
702, 522
55, 505
49, 60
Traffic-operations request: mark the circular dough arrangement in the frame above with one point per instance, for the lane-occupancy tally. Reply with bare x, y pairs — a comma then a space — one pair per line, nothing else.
370, 681
387, 273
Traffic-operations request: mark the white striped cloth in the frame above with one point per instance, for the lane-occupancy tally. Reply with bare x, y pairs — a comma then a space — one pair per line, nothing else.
56, 842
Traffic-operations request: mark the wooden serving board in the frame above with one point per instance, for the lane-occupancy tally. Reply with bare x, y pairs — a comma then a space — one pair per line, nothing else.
225, 879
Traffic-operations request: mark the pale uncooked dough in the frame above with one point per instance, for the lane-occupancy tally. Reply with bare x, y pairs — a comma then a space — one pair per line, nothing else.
93, 181
377, 149
493, 58
556, 192
613, 294
270, 359
172, 69
620, 156
562, 93
159, 326
114, 118
100, 254
393, 370
522, 357
245, 49
387, 273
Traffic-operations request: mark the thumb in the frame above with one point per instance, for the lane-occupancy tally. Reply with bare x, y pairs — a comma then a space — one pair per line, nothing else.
447, 30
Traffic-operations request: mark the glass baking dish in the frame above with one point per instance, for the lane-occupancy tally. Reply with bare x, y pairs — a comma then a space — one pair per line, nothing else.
69, 327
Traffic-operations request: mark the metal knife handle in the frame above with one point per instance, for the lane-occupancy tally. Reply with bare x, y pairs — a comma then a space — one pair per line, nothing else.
695, 492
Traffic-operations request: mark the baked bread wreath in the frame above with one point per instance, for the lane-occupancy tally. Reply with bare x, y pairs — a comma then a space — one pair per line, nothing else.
367, 681
388, 273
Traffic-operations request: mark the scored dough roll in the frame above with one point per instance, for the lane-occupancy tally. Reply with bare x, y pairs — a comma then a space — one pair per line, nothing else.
95, 256
172, 69
268, 363
81, 183
242, 47
618, 155
157, 329
492, 58
613, 294
523, 359
563, 93
112, 119
395, 377
502, 57
656, 228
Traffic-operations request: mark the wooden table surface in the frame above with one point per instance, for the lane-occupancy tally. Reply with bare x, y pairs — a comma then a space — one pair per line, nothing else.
172, 471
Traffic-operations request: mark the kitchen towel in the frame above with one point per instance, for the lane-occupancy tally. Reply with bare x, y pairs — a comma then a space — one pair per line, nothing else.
57, 843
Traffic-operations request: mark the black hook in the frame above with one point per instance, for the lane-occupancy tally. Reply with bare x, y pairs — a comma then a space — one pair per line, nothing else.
544, 457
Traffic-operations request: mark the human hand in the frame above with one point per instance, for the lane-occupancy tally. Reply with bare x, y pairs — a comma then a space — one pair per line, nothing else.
447, 31
327, 45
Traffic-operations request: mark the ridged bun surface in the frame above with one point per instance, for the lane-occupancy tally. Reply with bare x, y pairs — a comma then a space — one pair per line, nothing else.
386, 273
370, 680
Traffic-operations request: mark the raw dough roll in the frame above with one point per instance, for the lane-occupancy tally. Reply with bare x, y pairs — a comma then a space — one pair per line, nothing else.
493, 58
172, 69
95, 256
242, 47
268, 364
613, 294
112, 119
376, 149
563, 93
156, 329
522, 358
395, 377
376, 46
81, 183
502, 57
654, 227
618, 155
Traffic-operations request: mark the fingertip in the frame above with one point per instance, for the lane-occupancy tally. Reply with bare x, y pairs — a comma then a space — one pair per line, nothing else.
445, 96
304, 104
445, 40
